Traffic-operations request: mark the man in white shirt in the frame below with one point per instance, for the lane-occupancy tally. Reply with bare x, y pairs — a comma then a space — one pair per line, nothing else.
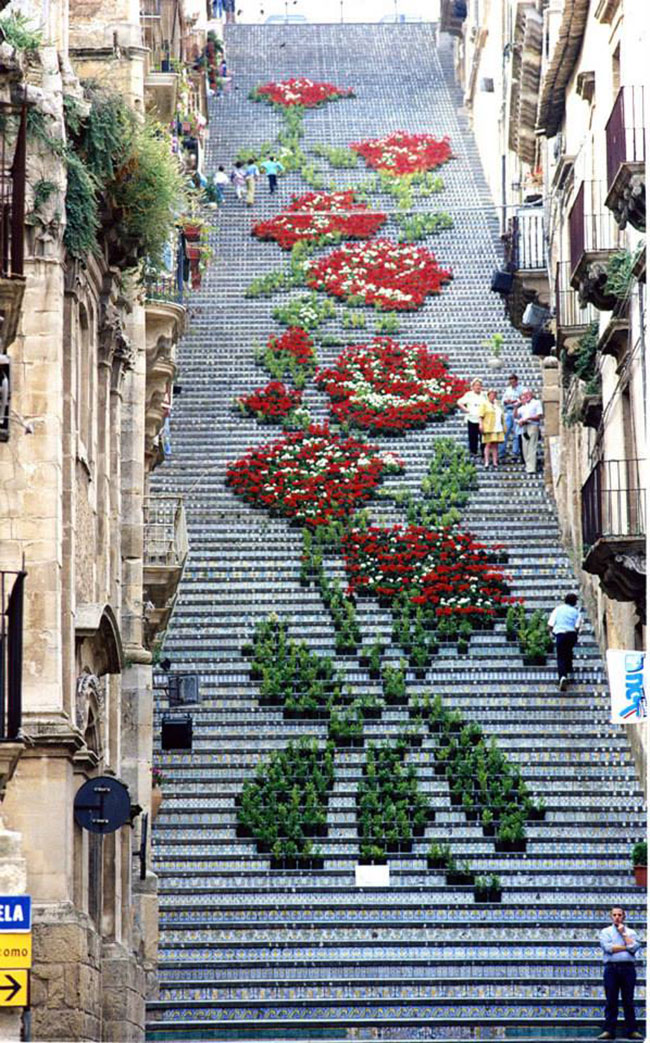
620, 945
565, 621
529, 418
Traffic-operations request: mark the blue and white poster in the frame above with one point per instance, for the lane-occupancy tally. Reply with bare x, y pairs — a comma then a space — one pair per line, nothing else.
627, 684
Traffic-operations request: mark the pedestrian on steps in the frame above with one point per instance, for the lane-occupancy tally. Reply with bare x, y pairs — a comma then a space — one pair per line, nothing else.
238, 178
620, 946
565, 621
470, 404
491, 427
220, 182
529, 420
252, 173
511, 400
272, 167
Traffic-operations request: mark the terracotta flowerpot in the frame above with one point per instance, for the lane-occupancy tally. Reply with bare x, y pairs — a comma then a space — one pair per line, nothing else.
192, 233
641, 876
156, 801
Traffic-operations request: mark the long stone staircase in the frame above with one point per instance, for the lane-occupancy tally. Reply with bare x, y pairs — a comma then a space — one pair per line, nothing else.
247, 952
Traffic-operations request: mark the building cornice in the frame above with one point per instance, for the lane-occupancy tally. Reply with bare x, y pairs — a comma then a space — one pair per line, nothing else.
560, 69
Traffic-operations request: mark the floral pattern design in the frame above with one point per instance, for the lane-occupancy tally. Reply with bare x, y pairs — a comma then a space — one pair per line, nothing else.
442, 568
301, 91
311, 476
273, 402
320, 217
391, 276
390, 387
402, 153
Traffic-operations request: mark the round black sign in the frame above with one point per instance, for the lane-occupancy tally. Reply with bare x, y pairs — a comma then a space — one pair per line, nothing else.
102, 805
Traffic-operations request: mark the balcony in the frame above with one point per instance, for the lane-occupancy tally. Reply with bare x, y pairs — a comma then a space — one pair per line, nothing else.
165, 321
614, 528
625, 137
160, 93
525, 257
593, 238
572, 319
452, 15
11, 672
165, 553
12, 223
615, 337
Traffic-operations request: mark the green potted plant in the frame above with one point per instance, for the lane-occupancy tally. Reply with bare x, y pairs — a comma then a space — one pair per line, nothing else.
439, 856
640, 863
487, 888
495, 349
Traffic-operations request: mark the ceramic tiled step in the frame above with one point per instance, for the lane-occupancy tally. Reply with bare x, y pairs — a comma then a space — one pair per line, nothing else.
244, 565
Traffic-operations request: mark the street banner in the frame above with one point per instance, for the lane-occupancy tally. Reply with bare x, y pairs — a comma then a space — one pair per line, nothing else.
628, 685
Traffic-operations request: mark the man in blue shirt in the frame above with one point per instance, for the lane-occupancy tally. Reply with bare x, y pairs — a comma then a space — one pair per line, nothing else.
272, 167
619, 945
564, 622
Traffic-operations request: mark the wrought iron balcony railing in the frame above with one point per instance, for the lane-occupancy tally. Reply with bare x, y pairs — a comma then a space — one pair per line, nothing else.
625, 132
165, 532
12, 198
625, 139
11, 653
614, 501
525, 243
592, 228
570, 314
164, 288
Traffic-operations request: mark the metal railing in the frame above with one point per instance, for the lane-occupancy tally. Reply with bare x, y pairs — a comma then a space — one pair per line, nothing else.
11, 653
12, 198
625, 131
569, 312
613, 501
525, 243
165, 531
164, 288
592, 228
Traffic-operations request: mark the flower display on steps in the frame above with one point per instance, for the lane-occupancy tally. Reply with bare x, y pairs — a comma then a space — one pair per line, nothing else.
292, 352
312, 476
273, 403
322, 217
391, 276
446, 569
387, 387
299, 91
402, 153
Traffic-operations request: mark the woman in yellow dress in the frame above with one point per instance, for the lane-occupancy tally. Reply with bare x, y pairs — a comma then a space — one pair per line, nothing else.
491, 427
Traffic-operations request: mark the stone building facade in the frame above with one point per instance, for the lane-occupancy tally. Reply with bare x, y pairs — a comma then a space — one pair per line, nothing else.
562, 82
89, 359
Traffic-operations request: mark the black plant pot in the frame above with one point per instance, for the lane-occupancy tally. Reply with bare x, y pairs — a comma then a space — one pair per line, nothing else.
374, 674
364, 860
489, 831
436, 863
457, 878
242, 831
510, 845
536, 815
501, 282
487, 895
371, 713
440, 767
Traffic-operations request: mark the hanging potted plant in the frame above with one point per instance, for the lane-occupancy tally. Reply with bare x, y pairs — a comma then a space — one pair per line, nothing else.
156, 792
640, 863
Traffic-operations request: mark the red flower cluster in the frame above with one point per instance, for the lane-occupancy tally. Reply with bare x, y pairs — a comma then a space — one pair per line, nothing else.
387, 386
391, 276
403, 153
295, 342
271, 402
300, 91
319, 216
439, 567
313, 476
